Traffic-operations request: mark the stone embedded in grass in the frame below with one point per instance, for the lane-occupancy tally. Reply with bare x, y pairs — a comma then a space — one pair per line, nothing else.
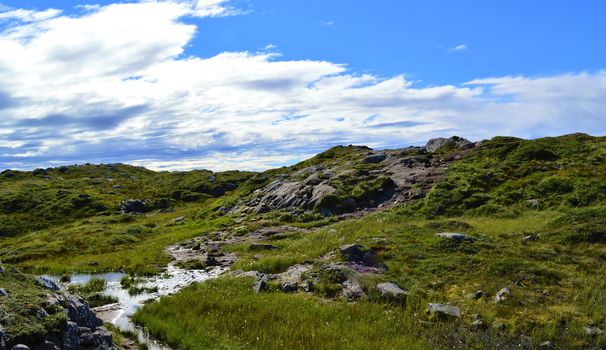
178, 219
459, 237
392, 292
593, 331
477, 295
20, 347
530, 238
3, 292
546, 345
443, 311
352, 290
360, 254
502, 295
46, 283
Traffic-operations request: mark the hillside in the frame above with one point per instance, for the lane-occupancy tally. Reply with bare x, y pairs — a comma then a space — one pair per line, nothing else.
494, 244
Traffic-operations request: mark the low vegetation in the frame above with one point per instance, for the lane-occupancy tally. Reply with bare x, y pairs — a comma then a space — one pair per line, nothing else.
535, 211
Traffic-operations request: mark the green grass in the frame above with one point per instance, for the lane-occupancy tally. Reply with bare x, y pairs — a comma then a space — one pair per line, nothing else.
557, 286
226, 314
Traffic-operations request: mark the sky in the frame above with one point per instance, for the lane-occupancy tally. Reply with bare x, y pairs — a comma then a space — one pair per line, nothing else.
257, 84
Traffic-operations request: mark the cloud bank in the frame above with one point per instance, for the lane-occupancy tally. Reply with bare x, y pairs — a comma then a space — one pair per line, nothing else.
112, 84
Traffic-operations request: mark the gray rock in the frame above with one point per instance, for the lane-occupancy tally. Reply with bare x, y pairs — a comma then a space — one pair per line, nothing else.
455, 236
375, 158
133, 206
178, 219
2, 270
533, 203
443, 310
288, 287
260, 285
71, 341
352, 252
103, 336
352, 290
46, 283
457, 142
86, 337
2, 338
20, 347
502, 295
391, 292
546, 345
530, 238
593, 331
477, 295
3, 292
78, 311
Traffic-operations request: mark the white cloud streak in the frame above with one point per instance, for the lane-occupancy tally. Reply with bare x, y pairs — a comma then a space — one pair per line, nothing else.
112, 84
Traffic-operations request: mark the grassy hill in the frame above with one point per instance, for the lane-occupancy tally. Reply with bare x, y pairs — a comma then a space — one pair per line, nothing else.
535, 211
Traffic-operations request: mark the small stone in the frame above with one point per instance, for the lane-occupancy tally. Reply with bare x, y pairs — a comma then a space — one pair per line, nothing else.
258, 256
444, 311
459, 237
533, 203
593, 331
477, 295
178, 219
546, 345
502, 295
2, 271
3, 292
530, 238
391, 292
20, 347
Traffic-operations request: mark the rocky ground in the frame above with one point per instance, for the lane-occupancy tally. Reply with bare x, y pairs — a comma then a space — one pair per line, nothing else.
59, 320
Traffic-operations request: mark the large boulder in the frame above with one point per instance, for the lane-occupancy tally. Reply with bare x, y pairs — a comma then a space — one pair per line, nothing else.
454, 142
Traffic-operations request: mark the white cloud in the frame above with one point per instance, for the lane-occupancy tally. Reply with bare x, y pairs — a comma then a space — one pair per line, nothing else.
458, 48
112, 85
328, 23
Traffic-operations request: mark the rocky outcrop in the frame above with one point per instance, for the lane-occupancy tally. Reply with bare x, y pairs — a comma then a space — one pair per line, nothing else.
407, 174
459, 237
454, 142
82, 330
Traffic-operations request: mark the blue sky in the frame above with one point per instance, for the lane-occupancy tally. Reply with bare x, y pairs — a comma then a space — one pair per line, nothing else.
259, 83
390, 37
